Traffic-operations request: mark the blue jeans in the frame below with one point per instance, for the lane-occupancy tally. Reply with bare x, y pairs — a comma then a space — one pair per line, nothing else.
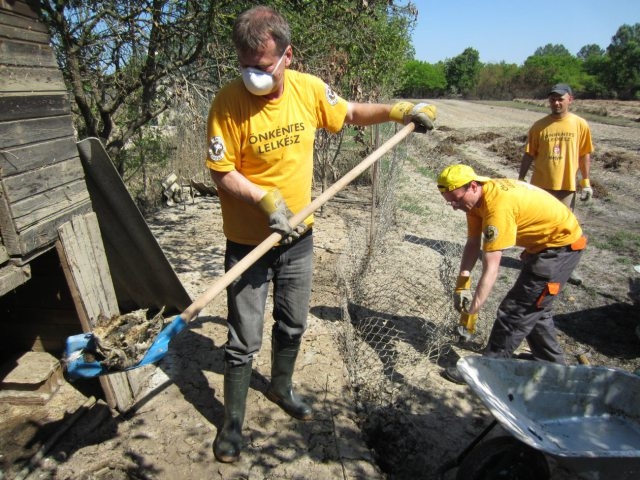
290, 269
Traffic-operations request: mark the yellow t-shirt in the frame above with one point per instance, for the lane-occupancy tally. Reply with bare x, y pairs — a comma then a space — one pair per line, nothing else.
556, 145
270, 142
515, 213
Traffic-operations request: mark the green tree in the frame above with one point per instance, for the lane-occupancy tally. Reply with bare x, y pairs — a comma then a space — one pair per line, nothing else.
127, 61
594, 64
623, 70
591, 50
497, 81
422, 80
553, 50
357, 47
549, 65
462, 71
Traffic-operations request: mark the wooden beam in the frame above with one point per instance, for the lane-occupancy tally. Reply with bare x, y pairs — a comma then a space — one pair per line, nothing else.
15, 78
14, 52
19, 106
30, 157
39, 207
25, 8
12, 276
24, 132
85, 267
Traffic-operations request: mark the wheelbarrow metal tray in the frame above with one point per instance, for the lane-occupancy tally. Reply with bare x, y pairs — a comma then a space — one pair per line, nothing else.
565, 411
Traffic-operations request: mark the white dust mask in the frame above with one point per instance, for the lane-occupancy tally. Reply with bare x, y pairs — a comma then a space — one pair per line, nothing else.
257, 81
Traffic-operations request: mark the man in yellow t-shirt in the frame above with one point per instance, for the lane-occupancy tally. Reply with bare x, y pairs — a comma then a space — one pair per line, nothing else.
505, 213
260, 135
559, 145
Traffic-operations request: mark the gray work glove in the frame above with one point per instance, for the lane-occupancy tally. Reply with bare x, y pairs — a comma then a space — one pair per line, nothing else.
279, 214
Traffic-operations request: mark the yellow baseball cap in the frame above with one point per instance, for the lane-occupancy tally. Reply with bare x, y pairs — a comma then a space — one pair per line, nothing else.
456, 176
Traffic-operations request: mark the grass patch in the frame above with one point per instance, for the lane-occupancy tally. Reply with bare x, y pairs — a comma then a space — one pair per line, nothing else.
621, 242
426, 172
410, 205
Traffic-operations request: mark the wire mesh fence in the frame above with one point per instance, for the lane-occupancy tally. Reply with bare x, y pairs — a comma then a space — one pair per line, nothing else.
398, 275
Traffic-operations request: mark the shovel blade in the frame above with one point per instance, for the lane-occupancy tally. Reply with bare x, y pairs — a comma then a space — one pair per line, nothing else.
160, 345
77, 367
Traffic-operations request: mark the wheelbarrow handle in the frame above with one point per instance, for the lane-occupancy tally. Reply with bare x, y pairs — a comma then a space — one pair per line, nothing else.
223, 282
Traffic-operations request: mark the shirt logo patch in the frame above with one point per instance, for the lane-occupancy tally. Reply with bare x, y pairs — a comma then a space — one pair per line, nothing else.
332, 98
490, 233
216, 149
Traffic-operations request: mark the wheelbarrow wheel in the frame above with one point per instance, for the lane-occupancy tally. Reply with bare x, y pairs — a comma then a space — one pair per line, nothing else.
503, 458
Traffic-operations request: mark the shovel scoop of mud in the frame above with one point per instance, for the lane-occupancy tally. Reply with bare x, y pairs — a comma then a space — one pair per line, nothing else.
120, 343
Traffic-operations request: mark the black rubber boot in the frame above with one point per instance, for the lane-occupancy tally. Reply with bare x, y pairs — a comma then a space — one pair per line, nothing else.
228, 442
280, 391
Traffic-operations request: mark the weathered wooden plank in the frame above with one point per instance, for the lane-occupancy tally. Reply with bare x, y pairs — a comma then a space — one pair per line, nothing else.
12, 276
33, 105
39, 207
26, 54
19, 21
30, 157
7, 228
84, 314
15, 32
79, 257
4, 256
42, 235
94, 284
33, 182
38, 238
27, 9
23, 132
101, 268
79, 268
31, 79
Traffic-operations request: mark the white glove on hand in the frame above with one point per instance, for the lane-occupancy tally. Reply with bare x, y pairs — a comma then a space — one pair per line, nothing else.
586, 191
279, 214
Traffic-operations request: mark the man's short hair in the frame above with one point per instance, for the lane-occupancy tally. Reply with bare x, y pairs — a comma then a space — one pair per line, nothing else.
254, 27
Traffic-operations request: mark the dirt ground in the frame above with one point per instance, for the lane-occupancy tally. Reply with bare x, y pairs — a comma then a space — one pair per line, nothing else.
169, 432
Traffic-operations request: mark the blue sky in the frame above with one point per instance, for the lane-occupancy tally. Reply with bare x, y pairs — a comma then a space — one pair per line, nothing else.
512, 30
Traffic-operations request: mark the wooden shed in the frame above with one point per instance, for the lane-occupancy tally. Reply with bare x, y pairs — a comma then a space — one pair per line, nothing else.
61, 257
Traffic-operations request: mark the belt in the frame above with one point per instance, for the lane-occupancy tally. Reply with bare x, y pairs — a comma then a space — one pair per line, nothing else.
579, 244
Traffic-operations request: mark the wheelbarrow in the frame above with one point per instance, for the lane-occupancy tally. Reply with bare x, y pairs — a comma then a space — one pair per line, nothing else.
585, 418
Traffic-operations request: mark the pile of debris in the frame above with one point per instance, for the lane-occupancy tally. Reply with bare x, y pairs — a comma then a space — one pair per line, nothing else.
122, 340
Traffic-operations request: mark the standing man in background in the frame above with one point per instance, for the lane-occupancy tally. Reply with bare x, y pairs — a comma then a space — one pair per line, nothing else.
559, 145
261, 131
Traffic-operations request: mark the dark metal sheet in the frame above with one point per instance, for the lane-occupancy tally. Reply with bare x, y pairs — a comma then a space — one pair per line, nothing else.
142, 275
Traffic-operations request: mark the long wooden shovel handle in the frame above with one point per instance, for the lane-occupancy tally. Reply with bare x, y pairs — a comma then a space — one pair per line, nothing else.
234, 272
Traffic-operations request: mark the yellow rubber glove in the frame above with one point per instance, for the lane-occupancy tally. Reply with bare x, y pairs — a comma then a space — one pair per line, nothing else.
586, 190
279, 214
467, 324
422, 114
462, 294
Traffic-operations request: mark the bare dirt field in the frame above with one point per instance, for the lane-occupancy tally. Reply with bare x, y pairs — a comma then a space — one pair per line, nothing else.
169, 433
